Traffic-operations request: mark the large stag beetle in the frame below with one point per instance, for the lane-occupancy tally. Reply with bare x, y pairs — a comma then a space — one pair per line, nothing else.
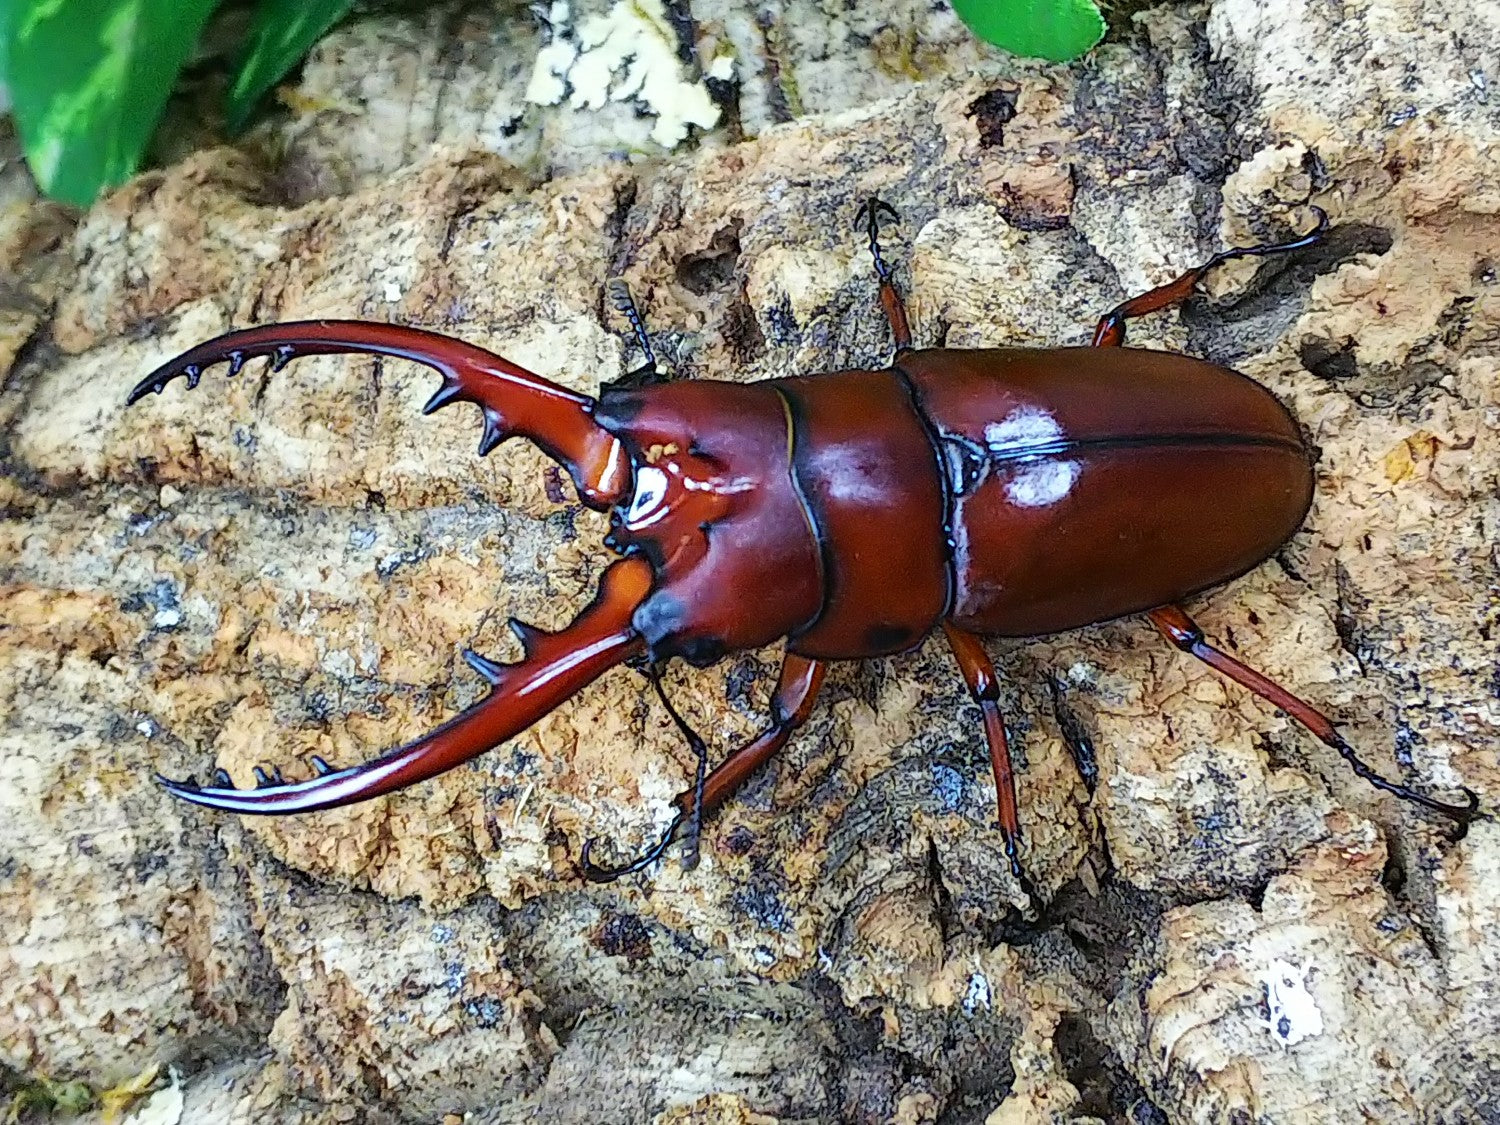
1008, 492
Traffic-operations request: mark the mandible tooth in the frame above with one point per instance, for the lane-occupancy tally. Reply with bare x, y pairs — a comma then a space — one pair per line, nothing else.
493, 434
448, 392
487, 668
528, 635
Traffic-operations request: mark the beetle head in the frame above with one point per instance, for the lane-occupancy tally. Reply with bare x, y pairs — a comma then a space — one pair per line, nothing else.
715, 511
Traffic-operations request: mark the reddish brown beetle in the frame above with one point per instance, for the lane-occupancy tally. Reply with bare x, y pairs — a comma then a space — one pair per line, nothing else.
1010, 492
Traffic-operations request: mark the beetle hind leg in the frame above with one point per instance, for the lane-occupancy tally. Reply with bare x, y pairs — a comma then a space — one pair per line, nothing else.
1183, 632
1110, 331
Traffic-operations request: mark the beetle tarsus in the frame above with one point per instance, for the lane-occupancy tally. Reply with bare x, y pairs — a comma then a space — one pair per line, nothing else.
868, 219
1462, 814
1264, 249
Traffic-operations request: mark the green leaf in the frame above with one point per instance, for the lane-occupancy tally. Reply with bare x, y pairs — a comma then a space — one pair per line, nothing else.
1057, 30
283, 32
89, 79
7, 20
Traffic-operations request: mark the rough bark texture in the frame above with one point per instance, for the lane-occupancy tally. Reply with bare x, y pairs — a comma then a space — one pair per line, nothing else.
1229, 925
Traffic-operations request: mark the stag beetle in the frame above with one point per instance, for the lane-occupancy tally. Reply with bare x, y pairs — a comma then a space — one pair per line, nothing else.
1004, 492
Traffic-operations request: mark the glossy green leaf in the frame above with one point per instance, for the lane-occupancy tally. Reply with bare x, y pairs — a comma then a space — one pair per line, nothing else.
88, 82
284, 31
1057, 30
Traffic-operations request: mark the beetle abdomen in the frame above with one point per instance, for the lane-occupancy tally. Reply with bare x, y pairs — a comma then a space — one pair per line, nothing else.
1089, 483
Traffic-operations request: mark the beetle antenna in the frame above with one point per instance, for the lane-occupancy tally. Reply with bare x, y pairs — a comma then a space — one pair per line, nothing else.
594, 873
700, 751
598, 874
650, 371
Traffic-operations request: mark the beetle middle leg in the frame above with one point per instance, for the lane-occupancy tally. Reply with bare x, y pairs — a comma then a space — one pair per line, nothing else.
1110, 331
979, 674
791, 704
1183, 632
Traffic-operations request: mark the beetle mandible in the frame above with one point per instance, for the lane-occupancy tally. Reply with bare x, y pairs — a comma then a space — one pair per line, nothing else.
1004, 492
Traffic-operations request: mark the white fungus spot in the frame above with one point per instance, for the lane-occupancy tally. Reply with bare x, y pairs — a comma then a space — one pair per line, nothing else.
1041, 484
1038, 483
1294, 1014
627, 54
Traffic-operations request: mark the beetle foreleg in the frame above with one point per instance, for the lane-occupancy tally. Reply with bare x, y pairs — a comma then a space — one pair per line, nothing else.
979, 674
555, 666
868, 217
791, 704
1110, 331
515, 402
1183, 632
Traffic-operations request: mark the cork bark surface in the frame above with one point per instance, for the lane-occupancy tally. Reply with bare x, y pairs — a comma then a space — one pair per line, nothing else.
1226, 924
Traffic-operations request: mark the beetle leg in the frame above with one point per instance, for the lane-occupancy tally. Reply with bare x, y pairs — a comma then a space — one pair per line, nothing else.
1183, 632
555, 666
792, 702
1110, 331
515, 402
868, 217
979, 674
